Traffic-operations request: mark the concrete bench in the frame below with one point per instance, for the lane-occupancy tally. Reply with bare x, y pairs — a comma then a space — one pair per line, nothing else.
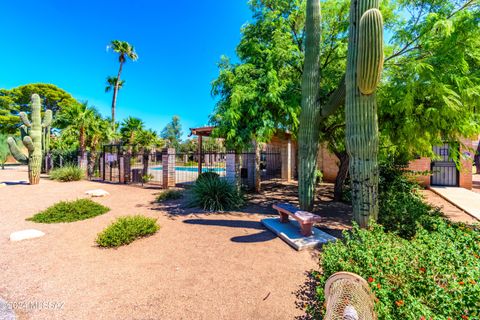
304, 218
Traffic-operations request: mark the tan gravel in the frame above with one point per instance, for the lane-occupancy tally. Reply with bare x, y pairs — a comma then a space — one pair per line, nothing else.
198, 266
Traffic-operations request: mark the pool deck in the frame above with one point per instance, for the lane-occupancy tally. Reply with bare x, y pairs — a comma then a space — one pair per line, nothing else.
467, 200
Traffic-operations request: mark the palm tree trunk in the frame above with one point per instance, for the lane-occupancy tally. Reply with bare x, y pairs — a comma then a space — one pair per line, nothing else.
115, 93
82, 147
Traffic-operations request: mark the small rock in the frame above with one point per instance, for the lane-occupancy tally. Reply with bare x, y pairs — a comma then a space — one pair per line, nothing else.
97, 193
26, 234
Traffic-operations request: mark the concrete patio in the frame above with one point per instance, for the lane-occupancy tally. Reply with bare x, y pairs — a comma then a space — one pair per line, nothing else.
467, 200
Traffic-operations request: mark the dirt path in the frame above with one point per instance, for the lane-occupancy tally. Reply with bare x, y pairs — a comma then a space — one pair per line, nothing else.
198, 266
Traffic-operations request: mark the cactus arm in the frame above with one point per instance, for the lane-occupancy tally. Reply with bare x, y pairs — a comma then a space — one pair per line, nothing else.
15, 151
28, 143
25, 120
370, 51
47, 119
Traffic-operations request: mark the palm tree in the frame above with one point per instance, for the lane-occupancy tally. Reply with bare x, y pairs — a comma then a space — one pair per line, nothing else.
111, 81
125, 50
100, 131
129, 128
75, 120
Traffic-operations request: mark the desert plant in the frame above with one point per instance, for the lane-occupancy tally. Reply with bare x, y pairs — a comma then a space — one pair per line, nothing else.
127, 229
146, 178
364, 67
70, 211
433, 276
212, 193
170, 194
208, 175
309, 131
67, 173
32, 137
318, 176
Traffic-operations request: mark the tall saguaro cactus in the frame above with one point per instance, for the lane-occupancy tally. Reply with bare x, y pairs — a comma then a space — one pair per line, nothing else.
364, 68
32, 139
309, 131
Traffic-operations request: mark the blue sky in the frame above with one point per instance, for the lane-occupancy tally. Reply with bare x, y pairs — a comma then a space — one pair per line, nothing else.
179, 44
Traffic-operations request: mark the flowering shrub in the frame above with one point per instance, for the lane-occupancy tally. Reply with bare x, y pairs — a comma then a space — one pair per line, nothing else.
435, 275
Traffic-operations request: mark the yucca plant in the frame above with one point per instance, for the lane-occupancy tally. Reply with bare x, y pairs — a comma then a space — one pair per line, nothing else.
212, 193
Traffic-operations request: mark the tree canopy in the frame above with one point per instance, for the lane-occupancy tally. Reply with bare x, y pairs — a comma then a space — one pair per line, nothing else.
172, 133
430, 87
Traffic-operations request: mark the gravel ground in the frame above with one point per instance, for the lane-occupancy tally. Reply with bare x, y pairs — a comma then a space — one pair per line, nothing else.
198, 266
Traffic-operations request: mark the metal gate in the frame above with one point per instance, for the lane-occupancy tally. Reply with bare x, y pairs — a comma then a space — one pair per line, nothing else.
110, 163
444, 170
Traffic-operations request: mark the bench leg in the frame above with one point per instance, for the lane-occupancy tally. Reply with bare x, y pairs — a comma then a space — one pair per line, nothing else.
283, 217
306, 229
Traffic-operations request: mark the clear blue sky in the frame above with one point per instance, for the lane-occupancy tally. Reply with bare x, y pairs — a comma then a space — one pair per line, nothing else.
179, 44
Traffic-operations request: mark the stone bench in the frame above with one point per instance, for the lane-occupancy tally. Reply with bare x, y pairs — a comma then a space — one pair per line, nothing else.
305, 219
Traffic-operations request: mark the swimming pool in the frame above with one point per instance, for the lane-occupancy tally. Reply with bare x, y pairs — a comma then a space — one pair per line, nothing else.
192, 169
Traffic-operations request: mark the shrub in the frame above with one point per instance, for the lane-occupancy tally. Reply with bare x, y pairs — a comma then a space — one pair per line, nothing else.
125, 230
318, 176
402, 207
212, 193
70, 211
67, 173
433, 276
170, 194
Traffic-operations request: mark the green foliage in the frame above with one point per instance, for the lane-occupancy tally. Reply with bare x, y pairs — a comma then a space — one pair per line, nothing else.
67, 173
4, 150
172, 133
433, 276
208, 175
402, 209
212, 193
125, 230
130, 128
318, 176
146, 178
70, 211
433, 73
170, 194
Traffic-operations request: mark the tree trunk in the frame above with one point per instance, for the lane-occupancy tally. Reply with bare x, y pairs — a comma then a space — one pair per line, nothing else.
238, 169
309, 131
341, 176
115, 93
258, 173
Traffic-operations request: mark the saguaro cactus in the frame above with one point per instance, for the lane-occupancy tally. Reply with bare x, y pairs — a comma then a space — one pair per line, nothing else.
309, 131
364, 67
32, 139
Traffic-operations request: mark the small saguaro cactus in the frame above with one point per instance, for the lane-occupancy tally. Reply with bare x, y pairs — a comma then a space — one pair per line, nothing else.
364, 68
32, 137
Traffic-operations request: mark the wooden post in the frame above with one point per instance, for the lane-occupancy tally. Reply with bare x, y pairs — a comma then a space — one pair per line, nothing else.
200, 146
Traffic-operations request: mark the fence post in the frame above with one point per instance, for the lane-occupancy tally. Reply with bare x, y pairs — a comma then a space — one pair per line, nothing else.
230, 168
121, 168
168, 168
286, 156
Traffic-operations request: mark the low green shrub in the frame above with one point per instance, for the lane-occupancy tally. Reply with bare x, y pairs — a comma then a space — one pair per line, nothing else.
170, 194
212, 193
433, 276
70, 211
67, 173
125, 230
402, 207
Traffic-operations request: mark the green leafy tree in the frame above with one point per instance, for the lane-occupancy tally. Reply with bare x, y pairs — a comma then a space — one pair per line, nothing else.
98, 132
125, 51
172, 133
17, 100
